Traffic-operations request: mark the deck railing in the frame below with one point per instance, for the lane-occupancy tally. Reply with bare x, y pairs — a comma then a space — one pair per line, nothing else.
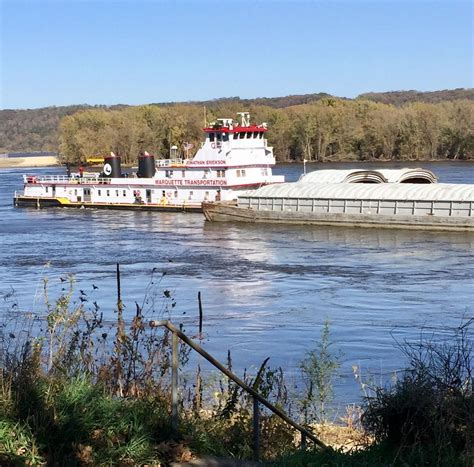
257, 398
85, 180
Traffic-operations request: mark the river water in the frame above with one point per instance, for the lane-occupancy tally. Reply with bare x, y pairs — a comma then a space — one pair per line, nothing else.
266, 290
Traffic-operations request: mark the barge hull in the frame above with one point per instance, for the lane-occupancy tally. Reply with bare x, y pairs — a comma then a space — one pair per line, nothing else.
36, 202
222, 212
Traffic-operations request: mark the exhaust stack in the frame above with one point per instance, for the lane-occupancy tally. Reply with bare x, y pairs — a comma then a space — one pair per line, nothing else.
146, 165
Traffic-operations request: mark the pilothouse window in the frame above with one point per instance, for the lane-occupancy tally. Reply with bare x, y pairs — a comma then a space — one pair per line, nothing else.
212, 137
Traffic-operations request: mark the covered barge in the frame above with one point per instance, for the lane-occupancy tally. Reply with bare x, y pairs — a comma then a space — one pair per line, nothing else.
411, 200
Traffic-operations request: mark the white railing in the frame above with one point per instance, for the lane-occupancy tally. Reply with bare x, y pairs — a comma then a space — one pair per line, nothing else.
86, 180
170, 162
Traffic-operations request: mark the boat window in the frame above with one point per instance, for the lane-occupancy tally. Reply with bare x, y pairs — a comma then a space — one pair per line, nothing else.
249, 134
108, 192
261, 135
168, 173
219, 136
212, 137
236, 135
226, 136
191, 193
46, 189
206, 196
242, 135
238, 173
243, 173
75, 192
255, 134
175, 194
183, 173
98, 192
116, 192
124, 192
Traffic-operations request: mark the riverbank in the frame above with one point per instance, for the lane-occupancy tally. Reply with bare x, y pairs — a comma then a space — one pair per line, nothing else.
83, 392
29, 161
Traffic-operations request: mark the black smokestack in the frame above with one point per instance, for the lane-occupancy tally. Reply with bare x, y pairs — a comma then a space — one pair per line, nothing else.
112, 166
146, 165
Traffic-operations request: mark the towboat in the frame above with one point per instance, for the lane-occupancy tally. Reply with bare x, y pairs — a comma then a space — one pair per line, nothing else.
402, 198
234, 157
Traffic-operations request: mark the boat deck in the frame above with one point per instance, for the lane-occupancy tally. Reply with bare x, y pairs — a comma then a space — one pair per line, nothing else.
43, 202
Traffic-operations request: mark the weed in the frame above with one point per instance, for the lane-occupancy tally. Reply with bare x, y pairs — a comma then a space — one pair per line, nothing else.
319, 369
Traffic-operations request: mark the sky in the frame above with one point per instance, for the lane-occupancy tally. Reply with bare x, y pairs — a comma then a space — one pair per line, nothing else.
67, 52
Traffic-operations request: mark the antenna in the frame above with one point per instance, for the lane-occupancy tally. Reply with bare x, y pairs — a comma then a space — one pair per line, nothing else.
245, 116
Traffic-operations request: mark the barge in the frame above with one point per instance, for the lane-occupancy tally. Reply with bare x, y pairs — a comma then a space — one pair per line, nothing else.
233, 158
411, 200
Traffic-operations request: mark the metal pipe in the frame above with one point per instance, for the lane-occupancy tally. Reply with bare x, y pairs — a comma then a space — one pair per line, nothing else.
303, 441
174, 382
256, 430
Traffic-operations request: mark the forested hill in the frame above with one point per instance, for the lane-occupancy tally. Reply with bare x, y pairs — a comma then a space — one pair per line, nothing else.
39, 129
35, 129
399, 98
275, 102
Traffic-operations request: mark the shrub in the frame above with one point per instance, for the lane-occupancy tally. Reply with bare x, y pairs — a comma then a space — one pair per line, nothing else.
428, 413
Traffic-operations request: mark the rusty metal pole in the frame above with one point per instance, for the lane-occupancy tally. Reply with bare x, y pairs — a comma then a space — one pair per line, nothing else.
174, 381
256, 430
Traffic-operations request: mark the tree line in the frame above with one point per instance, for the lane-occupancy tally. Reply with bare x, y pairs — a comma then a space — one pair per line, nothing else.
329, 129
313, 126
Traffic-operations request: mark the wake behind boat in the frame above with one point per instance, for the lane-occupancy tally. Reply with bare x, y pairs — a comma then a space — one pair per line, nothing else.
234, 157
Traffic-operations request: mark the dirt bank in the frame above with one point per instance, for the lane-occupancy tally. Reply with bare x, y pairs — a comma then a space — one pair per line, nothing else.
40, 161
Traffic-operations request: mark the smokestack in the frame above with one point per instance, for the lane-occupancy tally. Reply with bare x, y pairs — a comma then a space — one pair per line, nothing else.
112, 166
146, 165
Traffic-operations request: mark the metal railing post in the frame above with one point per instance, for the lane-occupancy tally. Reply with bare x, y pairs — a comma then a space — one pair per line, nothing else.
256, 430
174, 381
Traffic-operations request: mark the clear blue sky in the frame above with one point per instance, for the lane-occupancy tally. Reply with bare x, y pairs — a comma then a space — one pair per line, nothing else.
136, 52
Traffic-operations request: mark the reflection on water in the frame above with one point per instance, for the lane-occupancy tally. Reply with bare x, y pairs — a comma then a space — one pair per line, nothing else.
267, 290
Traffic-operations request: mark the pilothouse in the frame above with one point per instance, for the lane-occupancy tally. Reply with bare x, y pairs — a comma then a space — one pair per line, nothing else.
234, 157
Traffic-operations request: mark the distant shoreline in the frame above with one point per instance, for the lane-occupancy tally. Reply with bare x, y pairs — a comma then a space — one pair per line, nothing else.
28, 161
